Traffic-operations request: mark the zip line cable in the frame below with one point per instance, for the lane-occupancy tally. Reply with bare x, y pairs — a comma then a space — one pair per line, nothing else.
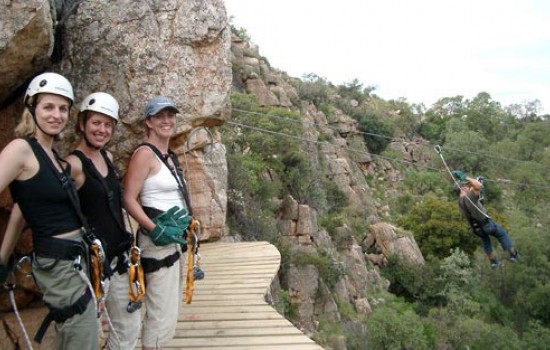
488, 155
301, 139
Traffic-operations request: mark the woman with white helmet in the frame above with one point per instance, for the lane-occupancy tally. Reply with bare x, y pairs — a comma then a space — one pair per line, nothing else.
100, 195
41, 190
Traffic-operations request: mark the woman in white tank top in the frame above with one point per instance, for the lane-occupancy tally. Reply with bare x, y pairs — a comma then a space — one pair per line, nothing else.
149, 183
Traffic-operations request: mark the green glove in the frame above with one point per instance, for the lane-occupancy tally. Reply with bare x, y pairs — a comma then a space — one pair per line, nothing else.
4, 271
459, 175
163, 235
173, 217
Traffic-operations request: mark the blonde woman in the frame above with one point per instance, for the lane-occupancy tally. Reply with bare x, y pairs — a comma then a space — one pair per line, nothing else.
40, 187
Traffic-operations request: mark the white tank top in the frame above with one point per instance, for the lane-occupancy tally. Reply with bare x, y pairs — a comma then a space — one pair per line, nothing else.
161, 190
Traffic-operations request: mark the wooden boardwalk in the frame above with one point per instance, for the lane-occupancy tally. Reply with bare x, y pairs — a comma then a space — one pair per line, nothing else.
228, 310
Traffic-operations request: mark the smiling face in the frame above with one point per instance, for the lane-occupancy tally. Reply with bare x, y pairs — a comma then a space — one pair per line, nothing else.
52, 113
97, 129
163, 124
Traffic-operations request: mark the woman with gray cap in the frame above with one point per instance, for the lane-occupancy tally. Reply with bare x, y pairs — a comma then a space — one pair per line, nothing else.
153, 198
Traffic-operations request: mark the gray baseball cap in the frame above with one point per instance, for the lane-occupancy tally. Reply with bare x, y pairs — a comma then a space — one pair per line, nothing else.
157, 104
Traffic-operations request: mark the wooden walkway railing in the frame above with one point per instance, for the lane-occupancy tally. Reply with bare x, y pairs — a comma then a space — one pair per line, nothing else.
228, 310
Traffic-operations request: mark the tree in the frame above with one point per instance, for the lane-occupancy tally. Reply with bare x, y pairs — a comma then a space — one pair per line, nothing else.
438, 226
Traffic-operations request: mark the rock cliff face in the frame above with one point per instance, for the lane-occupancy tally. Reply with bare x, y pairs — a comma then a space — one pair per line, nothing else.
135, 49
354, 266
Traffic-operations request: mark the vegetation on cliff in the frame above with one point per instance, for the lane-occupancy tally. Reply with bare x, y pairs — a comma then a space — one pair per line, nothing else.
455, 300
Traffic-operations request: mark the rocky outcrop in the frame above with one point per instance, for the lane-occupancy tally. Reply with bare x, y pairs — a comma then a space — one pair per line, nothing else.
389, 240
26, 43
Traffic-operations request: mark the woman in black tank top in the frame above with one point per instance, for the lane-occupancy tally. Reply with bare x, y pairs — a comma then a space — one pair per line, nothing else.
100, 194
27, 164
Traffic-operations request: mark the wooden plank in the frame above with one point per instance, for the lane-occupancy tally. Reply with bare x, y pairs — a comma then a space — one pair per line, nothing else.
232, 341
233, 279
255, 347
228, 297
237, 332
202, 303
259, 290
229, 286
231, 324
227, 317
228, 308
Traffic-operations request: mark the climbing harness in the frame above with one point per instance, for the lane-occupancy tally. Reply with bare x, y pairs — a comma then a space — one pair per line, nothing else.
439, 151
10, 286
136, 276
96, 258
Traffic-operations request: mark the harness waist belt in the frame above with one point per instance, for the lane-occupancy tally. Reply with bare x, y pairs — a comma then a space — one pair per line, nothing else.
60, 315
121, 265
152, 265
57, 248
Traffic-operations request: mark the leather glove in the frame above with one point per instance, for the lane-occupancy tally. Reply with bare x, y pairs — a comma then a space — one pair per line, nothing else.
173, 217
163, 235
170, 227
459, 175
4, 271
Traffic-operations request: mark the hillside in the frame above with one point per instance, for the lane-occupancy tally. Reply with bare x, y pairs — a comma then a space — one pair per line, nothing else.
351, 189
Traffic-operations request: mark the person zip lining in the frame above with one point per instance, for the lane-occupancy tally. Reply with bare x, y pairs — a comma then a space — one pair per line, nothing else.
470, 197
482, 225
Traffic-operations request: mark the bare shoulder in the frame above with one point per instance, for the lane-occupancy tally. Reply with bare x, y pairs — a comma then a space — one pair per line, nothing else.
76, 164
17, 161
143, 155
18, 146
17, 151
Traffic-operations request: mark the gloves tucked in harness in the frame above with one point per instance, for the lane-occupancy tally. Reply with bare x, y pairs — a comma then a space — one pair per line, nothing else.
459, 175
4, 271
170, 227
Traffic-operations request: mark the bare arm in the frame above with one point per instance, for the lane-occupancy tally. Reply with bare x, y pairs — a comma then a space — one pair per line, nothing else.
16, 163
77, 173
141, 165
13, 232
475, 185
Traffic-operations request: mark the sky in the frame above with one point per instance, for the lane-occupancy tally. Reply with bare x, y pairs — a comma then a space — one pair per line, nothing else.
419, 50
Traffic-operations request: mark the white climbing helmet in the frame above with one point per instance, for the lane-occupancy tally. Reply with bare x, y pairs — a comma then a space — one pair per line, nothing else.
51, 83
101, 102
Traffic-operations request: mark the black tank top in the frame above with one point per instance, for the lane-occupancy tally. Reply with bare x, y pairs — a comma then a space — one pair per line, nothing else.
45, 204
95, 194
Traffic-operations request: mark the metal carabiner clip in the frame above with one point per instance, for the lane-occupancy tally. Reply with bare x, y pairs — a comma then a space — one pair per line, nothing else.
137, 251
